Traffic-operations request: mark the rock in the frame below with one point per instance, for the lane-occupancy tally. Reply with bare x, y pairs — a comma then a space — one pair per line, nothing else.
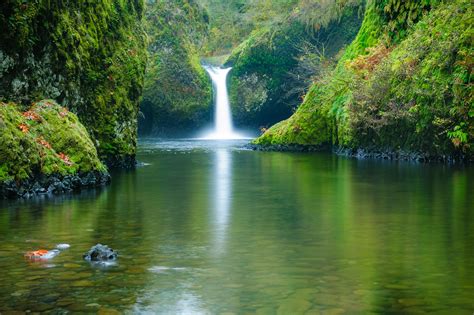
100, 252
63, 246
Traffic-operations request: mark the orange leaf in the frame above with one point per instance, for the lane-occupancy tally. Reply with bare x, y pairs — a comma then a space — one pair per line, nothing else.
24, 128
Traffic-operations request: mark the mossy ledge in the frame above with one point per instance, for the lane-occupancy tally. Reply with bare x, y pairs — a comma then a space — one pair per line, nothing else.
402, 90
45, 149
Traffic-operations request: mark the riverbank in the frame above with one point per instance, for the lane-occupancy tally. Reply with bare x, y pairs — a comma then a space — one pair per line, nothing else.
364, 153
54, 184
44, 148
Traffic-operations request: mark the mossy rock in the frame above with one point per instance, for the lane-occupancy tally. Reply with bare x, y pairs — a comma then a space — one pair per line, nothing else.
177, 97
43, 140
89, 56
399, 87
265, 85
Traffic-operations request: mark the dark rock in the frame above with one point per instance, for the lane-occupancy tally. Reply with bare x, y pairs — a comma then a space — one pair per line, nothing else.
288, 147
100, 252
52, 184
400, 155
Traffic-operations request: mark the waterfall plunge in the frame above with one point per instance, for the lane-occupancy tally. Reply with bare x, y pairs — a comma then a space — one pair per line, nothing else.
223, 129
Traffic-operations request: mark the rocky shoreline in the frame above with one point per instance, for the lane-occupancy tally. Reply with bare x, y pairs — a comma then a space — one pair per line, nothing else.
401, 155
53, 184
288, 147
361, 153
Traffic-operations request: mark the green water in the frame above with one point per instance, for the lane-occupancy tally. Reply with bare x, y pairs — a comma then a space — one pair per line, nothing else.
211, 228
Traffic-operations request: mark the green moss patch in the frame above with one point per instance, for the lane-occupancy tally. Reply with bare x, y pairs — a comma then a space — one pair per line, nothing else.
44, 139
402, 85
177, 96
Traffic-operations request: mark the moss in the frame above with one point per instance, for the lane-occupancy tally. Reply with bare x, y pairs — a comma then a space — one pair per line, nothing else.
399, 86
177, 94
89, 56
264, 77
43, 139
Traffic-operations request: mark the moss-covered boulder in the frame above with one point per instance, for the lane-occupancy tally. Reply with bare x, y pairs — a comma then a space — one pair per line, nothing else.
89, 56
177, 95
403, 85
269, 75
41, 142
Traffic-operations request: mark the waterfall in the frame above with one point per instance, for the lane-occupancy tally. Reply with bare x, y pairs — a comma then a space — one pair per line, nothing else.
223, 128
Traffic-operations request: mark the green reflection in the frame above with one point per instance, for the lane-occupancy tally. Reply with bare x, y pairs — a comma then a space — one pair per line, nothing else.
212, 228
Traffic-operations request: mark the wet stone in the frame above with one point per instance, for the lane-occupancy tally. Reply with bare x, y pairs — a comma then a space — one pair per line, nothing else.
100, 252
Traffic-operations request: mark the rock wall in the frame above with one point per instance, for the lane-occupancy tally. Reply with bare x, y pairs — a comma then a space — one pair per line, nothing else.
177, 97
89, 56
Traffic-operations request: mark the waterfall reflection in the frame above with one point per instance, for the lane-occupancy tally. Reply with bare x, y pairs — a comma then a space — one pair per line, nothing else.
222, 196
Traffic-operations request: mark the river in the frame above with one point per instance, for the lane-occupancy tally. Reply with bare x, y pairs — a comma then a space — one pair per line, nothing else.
208, 227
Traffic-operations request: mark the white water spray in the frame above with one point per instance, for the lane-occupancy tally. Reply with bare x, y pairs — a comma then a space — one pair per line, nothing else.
223, 128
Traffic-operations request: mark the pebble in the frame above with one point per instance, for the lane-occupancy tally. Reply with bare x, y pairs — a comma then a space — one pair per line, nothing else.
63, 246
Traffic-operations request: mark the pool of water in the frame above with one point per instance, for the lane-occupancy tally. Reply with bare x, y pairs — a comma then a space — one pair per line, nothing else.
205, 227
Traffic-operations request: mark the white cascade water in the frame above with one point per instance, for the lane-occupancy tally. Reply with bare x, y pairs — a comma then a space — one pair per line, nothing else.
223, 128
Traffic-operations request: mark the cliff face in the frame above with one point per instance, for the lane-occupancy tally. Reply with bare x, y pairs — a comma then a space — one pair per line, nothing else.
89, 56
177, 95
403, 85
272, 68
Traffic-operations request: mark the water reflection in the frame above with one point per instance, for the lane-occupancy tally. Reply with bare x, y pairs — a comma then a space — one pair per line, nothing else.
214, 229
221, 195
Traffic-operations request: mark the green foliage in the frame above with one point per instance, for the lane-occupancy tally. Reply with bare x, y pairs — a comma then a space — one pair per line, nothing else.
400, 15
177, 92
422, 89
399, 86
269, 77
87, 55
45, 139
232, 21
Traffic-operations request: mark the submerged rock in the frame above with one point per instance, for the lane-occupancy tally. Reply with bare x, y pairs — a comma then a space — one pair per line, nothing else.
100, 252
42, 254
62, 246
